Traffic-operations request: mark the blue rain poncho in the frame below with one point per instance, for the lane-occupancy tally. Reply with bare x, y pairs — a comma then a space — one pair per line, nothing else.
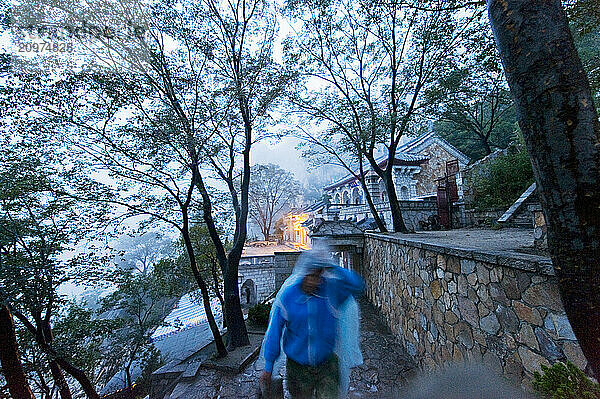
345, 326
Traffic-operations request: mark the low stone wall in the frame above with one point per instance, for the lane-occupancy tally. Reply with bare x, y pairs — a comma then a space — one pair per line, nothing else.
413, 212
284, 263
462, 217
451, 304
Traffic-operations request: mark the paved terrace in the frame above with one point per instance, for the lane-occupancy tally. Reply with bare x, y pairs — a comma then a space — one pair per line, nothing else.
503, 245
514, 241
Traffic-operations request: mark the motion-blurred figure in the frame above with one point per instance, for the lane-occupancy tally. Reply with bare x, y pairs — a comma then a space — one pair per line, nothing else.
315, 319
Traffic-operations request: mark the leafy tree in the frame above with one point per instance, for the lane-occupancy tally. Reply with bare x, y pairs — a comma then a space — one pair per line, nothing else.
565, 381
75, 331
559, 121
381, 64
141, 252
273, 189
37, 225
193, 106
479, 116
584, 18
139, 304
502, 180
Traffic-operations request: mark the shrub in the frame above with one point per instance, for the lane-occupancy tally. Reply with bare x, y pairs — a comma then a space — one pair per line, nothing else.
565, 381
259, 314
502, 181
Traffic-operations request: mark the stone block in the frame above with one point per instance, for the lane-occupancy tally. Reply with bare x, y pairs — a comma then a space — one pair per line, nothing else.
496, 274
483, 310
450, 317
467, 266
563, 327
433, 330
411, 349
544, 294
472, 295
468, 311
511, 288
463, 285
453, 264
441, 261
436, 289
479, 337
527, 337
531, 361
527, 313
452, 287
497, 294
489, 258
508, 319
483, 274
490, 324
548, 348
484, 296
513, 368
463, 334
573, 353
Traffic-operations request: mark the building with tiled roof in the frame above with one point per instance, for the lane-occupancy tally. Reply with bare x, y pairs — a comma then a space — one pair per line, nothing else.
417, 165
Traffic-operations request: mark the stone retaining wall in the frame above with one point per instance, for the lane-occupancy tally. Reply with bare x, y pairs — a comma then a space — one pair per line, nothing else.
451, 304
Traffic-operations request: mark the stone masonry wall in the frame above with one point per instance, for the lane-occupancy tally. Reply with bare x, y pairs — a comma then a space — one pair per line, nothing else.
434, 169
413, 212
267, 272
263, 278
450, 304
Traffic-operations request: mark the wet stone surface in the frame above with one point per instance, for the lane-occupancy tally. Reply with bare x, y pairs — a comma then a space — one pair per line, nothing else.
384, 372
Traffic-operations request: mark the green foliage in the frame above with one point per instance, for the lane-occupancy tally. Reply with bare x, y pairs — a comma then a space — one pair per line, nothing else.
584, 19
502, 180
565, 381
152, 362
259, 314
138, 305
79, 337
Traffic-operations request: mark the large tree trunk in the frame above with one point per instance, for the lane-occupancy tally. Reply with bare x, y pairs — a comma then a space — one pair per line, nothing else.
221, 350
486, 146
397, 220
372, 208
236, 326
80, 376
560, 125
59, 380
9, 358
369, 198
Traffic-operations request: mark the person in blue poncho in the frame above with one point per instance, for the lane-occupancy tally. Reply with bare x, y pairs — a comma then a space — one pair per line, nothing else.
315, 319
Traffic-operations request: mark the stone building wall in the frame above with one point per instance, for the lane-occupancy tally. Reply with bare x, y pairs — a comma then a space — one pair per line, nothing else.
449, 304
263, 278
434, 169
267, 272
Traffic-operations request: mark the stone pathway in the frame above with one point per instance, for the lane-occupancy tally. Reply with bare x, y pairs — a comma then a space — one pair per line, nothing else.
386, 366
385, 369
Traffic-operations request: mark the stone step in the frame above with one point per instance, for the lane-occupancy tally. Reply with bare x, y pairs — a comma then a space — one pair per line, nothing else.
191, 370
